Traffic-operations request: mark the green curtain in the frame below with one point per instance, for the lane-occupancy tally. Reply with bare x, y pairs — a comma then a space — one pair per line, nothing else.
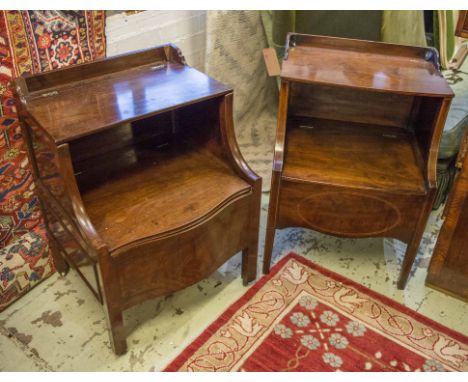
444, 35
402, 27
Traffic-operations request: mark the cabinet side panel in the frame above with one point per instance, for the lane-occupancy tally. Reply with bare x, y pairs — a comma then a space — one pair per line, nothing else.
72, 248
425, 121
462, 25
57, 206
199, 123
47, 165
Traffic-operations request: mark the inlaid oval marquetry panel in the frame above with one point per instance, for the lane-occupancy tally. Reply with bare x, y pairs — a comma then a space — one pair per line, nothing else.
348, 214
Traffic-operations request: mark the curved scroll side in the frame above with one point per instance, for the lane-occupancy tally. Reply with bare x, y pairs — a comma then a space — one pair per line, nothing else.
230, 142
82, 219
278, 156
435, 143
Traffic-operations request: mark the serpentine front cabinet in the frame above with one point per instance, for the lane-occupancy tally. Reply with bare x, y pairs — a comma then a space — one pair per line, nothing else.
141, 181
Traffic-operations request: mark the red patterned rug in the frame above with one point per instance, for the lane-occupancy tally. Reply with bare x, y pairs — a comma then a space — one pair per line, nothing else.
19, 206
38, 41
302, 317
32, 42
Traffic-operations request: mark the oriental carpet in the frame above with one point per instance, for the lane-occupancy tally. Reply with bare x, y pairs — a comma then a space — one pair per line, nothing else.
302, 317
32, 42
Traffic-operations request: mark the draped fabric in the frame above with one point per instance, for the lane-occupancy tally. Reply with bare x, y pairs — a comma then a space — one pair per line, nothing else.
444, 23
363, 25
234, 44
404, 27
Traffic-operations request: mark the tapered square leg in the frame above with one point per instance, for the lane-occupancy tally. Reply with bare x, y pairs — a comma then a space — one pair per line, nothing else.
61, 264
271, 221
408, 261
269, 241
413, 245
117, 330
249, 264
250, 254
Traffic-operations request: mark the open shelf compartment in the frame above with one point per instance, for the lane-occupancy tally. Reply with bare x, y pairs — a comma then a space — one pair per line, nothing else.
152, 177
353, 154
161, 191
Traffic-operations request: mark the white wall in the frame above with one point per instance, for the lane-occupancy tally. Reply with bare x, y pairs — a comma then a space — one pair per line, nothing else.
186, 29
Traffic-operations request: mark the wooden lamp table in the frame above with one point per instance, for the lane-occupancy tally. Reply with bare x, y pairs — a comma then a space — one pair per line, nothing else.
139, 175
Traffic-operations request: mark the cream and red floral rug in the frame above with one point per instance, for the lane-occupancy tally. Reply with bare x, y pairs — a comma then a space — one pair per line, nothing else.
302, 317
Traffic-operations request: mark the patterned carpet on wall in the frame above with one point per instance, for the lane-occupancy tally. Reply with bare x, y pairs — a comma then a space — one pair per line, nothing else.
302, 317
19, 206
32, 42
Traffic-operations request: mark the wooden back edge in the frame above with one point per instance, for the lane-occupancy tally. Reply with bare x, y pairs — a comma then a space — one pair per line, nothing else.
29, 83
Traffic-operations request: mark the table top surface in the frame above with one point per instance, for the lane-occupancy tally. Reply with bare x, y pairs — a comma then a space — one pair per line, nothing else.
366, 65
84, 107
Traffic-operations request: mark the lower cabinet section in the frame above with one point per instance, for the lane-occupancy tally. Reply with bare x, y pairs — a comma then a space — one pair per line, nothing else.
184, 259
348, 212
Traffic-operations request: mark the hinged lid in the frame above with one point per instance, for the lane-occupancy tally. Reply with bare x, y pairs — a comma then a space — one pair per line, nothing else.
366, 65
77, 101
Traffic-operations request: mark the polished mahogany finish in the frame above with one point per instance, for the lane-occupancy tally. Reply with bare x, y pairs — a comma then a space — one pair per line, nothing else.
462, 24
140, 178
383, 157
120, 97
366, 65
359, 124
448, 270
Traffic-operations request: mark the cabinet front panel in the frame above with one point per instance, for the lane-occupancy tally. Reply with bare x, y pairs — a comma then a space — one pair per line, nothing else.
347, 212
171, 264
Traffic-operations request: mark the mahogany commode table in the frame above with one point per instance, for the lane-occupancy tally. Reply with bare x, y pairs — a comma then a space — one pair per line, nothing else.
140, 178
359, 125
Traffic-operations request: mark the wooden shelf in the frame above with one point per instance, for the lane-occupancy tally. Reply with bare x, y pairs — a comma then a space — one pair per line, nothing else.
366, 65
136, 93
155, 192
353, 155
